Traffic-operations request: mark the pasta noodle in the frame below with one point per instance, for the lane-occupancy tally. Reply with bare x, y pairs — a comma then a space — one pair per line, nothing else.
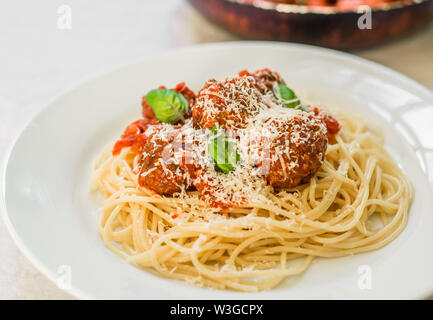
358, 201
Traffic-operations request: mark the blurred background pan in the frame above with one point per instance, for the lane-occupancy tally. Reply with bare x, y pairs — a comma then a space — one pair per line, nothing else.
333, 26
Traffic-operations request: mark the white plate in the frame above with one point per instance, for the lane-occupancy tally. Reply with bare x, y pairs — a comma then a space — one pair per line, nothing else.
53, 218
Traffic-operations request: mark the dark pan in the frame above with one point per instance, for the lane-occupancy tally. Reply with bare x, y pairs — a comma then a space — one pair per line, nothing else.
323, 26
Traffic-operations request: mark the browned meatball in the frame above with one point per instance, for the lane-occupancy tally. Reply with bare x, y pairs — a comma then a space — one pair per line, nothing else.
161, 169
229, 103
296, 150
265, 79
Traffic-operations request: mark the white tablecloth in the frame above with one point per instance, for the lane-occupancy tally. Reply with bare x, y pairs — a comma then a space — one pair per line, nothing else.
38, 60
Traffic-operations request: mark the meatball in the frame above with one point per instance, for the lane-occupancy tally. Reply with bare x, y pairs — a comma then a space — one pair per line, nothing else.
296, 149
209, 190
265, 79
161, 165
230, 103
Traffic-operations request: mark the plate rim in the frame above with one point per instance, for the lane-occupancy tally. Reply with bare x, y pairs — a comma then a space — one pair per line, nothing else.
35, 261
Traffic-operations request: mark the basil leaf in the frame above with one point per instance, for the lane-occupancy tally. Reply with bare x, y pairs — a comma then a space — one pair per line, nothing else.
222, 150
290, 98
169, 106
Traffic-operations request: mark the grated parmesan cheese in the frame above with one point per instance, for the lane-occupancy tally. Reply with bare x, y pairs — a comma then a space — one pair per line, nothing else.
255, 134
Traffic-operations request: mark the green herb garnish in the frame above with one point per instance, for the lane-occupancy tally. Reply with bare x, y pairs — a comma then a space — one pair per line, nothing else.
290, 99
222, 150
169, 106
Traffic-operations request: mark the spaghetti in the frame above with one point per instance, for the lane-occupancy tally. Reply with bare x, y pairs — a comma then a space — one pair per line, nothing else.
357, 201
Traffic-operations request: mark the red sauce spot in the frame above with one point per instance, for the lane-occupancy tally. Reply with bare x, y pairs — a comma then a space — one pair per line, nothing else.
243, 73
133, 136
147, 109
317, 3
332, 125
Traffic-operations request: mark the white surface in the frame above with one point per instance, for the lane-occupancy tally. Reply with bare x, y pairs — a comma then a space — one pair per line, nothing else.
37, 61
54, 218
